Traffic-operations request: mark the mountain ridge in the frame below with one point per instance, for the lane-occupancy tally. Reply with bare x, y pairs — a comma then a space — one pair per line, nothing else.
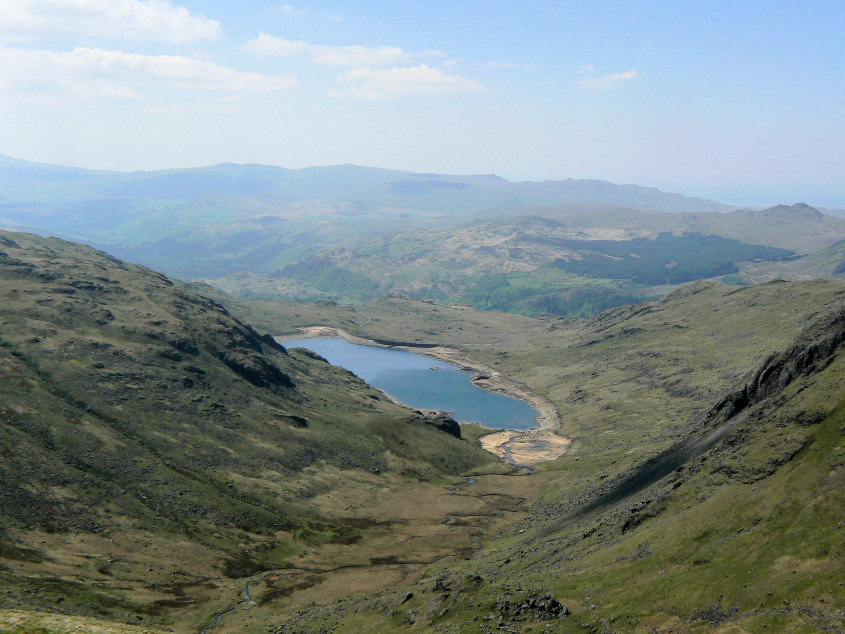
362, 177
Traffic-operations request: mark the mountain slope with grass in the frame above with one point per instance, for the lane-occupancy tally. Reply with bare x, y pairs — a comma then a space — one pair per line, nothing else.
828, 262
155, 448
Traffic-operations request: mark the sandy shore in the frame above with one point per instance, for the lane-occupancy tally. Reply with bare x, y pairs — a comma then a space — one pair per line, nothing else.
519, 447
526, 448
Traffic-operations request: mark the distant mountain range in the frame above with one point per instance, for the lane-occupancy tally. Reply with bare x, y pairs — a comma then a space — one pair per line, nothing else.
346, 232
27, 182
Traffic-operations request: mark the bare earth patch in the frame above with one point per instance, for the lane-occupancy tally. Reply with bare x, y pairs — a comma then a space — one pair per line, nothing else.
526, 448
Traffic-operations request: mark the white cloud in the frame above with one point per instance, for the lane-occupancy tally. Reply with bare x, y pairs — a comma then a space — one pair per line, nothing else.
382, 83
88, 88
103, 73
157, 20
289, 9
266, 44
611, 80
116, 91
182, 111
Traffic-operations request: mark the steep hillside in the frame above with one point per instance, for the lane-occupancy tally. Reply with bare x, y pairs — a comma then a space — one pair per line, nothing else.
704, 487
155, 448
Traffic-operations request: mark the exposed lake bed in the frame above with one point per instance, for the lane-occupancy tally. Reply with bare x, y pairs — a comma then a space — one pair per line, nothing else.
523, 425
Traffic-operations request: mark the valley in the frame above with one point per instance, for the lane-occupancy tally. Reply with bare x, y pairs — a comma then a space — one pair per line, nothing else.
365, 317
168, 465
637, 383
111, 371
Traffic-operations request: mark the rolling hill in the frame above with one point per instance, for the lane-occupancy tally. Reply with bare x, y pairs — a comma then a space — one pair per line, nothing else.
572, 262
354, 234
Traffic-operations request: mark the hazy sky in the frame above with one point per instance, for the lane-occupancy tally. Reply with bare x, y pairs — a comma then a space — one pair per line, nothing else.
739, 101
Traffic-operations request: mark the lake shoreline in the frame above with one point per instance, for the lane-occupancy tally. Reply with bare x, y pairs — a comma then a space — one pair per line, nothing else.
538, 444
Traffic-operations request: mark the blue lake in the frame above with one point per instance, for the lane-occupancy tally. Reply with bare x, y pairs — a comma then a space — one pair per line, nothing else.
423, 383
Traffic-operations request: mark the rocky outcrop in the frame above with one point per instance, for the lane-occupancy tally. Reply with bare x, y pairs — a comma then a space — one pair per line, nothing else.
798, 210
542, 607
446, 424
256, 370
812, 351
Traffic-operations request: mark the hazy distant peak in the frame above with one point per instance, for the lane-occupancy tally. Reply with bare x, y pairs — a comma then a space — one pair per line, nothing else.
802, 210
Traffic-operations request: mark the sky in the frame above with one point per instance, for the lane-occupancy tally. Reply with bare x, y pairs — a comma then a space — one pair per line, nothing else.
739, 101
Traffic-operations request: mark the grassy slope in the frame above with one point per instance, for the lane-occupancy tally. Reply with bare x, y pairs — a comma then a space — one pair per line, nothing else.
746, 538
757, 514
154, 447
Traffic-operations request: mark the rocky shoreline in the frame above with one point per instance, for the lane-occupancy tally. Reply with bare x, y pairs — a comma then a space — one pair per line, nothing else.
519, 447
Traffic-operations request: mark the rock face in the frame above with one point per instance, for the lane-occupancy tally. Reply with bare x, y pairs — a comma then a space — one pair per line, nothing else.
446, 424
809, 353
256, 370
